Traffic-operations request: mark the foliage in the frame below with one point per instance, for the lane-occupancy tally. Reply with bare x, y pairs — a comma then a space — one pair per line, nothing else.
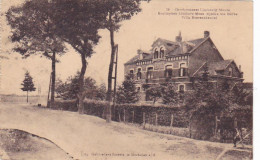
78, 22
118, 11
154, 93
115, 12
241, 95
169, 94
101, 92
27, 83
127, 92
32, 30
207, 97
70, 88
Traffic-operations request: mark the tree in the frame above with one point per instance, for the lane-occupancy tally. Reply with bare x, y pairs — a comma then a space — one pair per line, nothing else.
33, 32
70, 88
27, 84
154, 93
207, 101
241, 95
127, 92
78, 22
116, 12
101, 92
169, 94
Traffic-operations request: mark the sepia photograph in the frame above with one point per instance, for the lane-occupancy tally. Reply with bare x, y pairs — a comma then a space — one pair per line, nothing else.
126, 80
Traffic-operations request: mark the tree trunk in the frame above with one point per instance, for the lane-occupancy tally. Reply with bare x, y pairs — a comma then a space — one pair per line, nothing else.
81, 95
110, 72
53, 67
27, 96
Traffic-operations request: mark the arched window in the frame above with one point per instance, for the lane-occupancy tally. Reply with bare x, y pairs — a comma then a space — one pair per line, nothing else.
183, 70
156, 53
168, 71
150, 73
131, 74
161, 52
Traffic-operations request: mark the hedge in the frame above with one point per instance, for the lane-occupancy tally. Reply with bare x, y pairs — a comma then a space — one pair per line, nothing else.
132, 113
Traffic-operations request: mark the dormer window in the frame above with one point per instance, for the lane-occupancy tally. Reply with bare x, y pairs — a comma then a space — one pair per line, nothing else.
156, 53
161, 52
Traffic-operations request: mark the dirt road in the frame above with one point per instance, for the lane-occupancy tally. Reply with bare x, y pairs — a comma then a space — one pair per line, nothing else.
89, 137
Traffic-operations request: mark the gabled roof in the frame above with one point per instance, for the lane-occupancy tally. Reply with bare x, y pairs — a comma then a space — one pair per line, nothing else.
219, 65
132, 60
213, 67
197, 43
172, 48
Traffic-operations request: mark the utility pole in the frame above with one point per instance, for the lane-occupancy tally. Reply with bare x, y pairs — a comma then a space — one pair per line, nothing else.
114, 78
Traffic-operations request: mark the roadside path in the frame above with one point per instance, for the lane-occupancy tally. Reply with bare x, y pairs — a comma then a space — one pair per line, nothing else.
87, 137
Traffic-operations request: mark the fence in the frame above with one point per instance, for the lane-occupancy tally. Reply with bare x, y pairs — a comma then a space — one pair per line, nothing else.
164, 118
131, 113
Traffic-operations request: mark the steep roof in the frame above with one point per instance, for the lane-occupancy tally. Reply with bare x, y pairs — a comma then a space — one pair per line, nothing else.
171, 48
219, 65
197, 43
213, 67
132, 60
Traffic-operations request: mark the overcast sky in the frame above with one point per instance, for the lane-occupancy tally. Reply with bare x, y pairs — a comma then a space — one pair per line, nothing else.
232, 36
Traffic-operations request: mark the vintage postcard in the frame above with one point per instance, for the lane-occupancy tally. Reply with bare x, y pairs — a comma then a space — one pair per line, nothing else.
126, 80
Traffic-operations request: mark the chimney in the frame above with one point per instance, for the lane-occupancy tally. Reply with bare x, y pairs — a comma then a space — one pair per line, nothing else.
206, 34
239, 67
140, 52
178, 38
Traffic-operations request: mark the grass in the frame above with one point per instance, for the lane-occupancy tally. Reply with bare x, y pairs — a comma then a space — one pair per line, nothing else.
182, 132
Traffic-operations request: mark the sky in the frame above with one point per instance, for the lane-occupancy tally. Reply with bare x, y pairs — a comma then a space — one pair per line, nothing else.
232, 35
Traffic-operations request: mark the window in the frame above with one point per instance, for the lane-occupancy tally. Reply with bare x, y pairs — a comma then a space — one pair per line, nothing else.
139, 74
230, 72
131, 73
168, 71
183, 70
161, 52
181, 88
156, 54
150, 73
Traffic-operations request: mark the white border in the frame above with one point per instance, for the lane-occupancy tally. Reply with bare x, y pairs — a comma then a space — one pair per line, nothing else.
256, 109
